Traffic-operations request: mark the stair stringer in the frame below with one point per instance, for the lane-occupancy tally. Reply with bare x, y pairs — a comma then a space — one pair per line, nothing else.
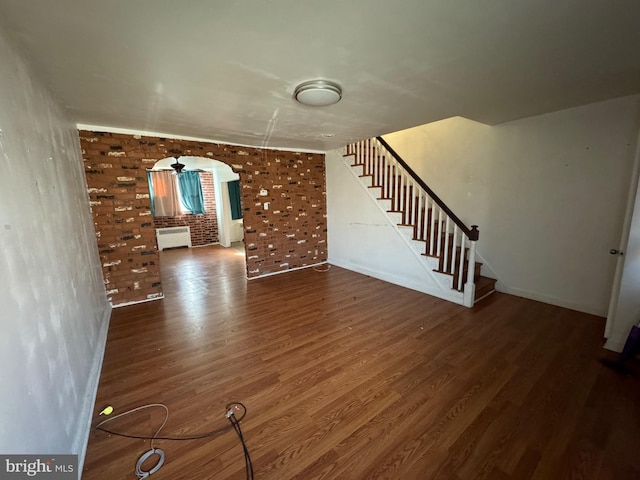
423, 277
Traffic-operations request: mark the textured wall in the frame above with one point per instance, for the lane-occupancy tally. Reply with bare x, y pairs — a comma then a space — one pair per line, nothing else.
204, 228
291, 233
53, 308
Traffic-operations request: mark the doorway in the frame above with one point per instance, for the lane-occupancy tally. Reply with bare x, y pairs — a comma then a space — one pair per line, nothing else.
217, 227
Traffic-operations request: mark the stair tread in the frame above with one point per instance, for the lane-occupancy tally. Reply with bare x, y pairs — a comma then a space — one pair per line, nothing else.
482, 281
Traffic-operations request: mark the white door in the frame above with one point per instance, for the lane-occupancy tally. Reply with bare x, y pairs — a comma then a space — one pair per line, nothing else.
624, 308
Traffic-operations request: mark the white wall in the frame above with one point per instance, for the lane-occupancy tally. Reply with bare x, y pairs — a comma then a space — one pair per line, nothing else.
362, 239
53, 308
548, 193
228, 230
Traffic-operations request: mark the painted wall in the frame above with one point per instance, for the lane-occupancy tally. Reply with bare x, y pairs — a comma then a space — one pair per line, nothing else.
290, 234
363, 239
230, 230
53, 309
548, 193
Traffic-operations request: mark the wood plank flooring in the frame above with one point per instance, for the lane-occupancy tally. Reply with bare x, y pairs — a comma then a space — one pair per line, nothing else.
348, 377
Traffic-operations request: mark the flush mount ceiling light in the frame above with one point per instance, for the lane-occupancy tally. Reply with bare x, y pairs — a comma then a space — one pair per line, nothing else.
318, 93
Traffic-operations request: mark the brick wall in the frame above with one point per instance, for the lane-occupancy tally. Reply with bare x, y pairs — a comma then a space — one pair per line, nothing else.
292, 233
204, 228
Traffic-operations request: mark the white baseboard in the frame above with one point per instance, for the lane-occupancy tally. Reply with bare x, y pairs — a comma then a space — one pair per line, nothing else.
614, 345
591, 309
454, 297
139, 301
82, 439
285, 271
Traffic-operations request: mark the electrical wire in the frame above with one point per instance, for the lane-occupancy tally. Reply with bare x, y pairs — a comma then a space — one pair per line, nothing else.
137, 409
141, 474
214, 433
248, 465
230, 415
326, 269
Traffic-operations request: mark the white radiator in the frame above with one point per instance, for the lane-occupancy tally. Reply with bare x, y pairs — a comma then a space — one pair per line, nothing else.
170, 237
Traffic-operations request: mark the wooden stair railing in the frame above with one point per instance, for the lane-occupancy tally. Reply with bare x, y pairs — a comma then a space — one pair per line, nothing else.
445, 236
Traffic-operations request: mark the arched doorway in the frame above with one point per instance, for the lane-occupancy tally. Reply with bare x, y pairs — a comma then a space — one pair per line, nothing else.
215, 180
216, 228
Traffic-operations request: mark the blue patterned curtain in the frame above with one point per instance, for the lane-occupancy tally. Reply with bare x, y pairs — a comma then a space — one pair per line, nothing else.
191, 192
234, 199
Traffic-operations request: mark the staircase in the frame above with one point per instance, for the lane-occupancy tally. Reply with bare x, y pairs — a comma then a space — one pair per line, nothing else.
441, 240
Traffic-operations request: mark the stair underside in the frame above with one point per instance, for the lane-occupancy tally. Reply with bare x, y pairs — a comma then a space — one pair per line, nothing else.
483, 285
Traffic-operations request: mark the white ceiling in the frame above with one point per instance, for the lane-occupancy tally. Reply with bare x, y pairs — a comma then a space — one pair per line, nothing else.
226, 70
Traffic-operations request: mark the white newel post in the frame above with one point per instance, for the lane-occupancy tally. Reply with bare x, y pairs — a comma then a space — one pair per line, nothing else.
470, 286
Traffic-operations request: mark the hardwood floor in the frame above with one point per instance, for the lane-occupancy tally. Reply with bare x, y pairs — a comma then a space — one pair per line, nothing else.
348, 377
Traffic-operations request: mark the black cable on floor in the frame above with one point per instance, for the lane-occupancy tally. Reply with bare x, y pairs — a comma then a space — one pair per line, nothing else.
230, 415
247, 458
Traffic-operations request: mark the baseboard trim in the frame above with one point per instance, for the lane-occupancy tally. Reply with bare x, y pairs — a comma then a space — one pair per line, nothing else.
92, 389
270, 274
476, 300
454, 297
614, 345
590, 309
139, 301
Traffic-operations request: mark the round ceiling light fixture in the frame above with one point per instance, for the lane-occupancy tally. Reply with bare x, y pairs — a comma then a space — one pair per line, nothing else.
318, 93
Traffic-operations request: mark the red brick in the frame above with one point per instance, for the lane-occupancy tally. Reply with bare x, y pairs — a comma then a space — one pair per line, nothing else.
294, 181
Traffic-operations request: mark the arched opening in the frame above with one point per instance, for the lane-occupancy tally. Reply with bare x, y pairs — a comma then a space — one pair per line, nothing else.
229, 230
219, 225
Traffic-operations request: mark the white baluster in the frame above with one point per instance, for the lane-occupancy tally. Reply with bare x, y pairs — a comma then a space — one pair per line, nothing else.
402, 183
454, 251
439, 231
396, 181
405, 183
385, 176
376, 172
417, 230
396, 187
432, 247
425, 226
410, 201
381, 174
446, 237
461, 266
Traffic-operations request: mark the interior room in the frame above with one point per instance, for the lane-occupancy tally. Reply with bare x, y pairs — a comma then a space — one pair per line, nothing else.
258, 240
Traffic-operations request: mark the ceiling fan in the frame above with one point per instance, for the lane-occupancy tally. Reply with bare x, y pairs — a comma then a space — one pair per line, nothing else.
178, 168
